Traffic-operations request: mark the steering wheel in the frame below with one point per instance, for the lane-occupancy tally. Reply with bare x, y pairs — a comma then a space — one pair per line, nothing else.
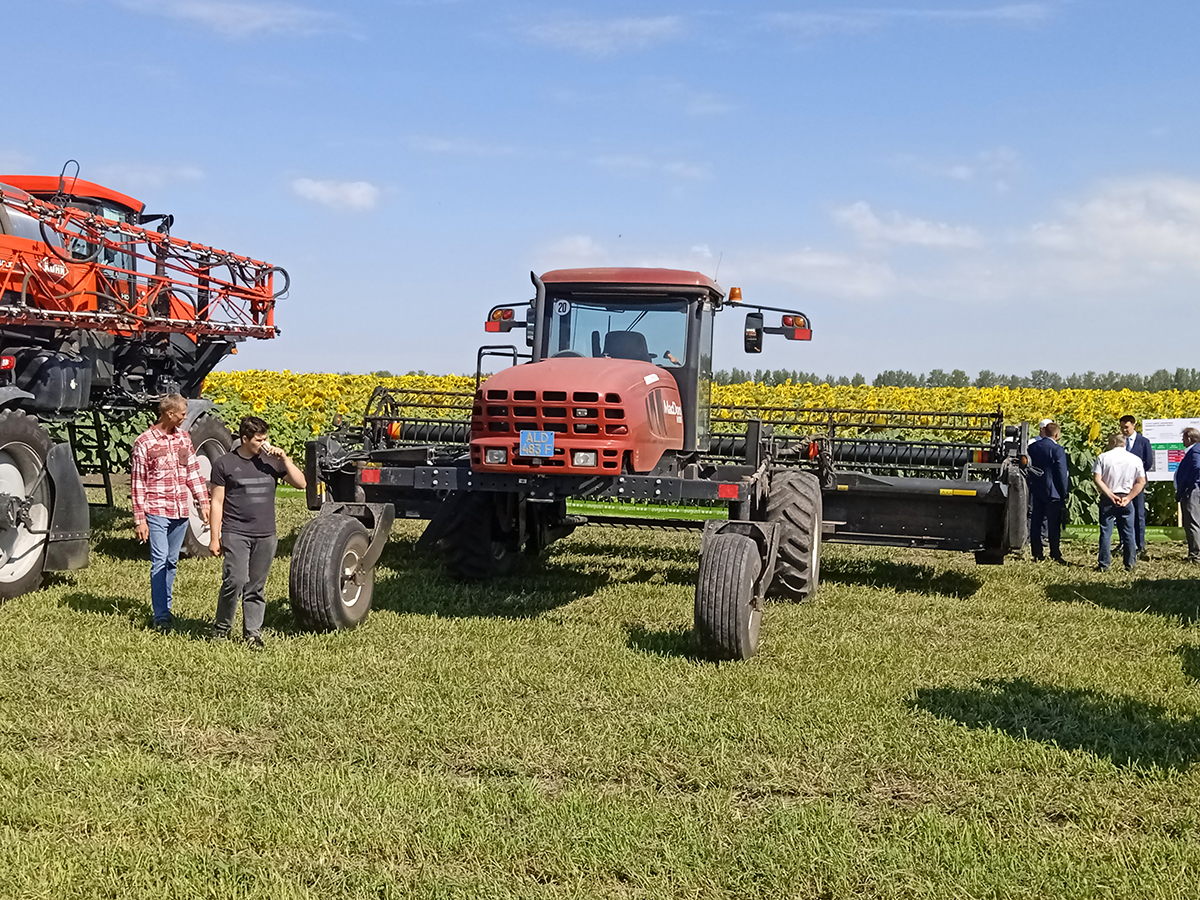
566, 353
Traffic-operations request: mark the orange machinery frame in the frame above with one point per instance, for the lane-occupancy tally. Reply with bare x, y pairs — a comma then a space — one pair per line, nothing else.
164, 284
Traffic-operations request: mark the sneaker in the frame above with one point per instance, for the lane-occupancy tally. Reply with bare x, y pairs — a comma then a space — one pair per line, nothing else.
1059, 560
256, 644
218, 635
1143, 555
162, 627
1101, 568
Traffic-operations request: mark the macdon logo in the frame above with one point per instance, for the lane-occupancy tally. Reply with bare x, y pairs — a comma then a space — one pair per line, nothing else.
52, 267
672, 409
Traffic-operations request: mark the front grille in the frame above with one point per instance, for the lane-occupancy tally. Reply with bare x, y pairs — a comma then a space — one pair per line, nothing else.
587, 416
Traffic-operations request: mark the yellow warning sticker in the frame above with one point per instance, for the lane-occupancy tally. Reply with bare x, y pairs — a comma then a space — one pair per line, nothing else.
954, 492
843, 487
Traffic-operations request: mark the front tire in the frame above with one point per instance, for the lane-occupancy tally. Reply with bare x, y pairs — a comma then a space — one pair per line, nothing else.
475, 547
211, 440
328, 592
727, 617
795, 505
24, 446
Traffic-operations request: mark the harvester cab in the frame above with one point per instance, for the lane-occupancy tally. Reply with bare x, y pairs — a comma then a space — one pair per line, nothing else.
630, 353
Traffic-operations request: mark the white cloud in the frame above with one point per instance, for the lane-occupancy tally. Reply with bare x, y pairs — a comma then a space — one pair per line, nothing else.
998, 167
821, 273
634, 164
458, 147
1148, 226
895, 228
604, 37
357, 196
815, 24
574, 251
241, 18
136, 176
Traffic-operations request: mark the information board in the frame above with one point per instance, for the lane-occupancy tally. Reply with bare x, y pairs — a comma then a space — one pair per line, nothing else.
1166, 439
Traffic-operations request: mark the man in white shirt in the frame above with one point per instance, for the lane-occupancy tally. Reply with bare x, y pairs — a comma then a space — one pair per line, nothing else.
1120, 476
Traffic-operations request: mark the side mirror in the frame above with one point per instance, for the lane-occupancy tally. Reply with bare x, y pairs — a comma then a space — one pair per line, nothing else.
754, 332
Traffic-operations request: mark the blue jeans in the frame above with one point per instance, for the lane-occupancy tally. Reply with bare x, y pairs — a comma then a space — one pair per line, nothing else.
1124, 518
166, 540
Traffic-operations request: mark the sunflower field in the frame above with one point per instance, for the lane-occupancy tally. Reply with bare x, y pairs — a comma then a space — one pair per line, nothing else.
299, 406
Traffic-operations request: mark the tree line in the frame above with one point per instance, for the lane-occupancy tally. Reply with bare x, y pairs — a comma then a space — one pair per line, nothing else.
1162, 380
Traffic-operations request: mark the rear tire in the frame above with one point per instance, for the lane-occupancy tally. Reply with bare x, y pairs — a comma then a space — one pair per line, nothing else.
24, 446
326, 595
211, 440
727, 619
795, 505
475, 547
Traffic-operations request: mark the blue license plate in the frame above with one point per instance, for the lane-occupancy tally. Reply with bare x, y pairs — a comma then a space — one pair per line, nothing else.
537, 443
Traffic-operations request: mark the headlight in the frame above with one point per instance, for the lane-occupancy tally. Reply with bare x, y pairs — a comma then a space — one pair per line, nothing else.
496, 456
583, 458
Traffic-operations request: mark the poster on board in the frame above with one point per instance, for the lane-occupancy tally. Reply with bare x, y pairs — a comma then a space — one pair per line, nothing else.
1166, 440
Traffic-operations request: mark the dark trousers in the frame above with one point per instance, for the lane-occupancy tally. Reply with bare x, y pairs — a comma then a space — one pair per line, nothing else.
1047, 514
1139, 520
1139, 523
1123, 518
247, 564
1190, 505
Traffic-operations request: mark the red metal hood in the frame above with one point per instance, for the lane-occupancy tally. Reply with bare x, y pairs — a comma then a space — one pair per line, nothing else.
604, 375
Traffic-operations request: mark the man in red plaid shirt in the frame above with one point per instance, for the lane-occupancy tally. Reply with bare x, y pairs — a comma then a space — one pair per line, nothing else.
163, 475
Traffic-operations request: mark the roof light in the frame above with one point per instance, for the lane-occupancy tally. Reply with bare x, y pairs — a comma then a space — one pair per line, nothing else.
788, 322
735, 295
497, 315
506, 313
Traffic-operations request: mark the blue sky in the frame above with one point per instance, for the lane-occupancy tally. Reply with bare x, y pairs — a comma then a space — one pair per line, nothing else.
947, 185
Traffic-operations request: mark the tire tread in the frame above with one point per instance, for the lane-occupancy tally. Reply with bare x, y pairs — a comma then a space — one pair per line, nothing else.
724, 588
795, 504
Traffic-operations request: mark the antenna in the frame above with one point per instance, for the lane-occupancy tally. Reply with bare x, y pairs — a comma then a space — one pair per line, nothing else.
62, 176
718, 272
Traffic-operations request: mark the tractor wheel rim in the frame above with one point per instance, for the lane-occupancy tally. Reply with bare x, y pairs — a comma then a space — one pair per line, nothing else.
351, 590
20, 465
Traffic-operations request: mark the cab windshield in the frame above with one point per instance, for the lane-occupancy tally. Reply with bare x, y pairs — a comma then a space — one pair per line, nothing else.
621, 329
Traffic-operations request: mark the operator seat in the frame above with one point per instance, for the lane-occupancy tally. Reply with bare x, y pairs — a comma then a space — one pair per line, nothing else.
626, 345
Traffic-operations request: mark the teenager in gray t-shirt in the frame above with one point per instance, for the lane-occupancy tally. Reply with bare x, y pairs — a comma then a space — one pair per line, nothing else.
243, 525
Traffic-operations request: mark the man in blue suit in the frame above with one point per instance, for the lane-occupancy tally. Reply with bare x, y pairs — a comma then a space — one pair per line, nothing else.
1187, 492
1048, 491
1140, 447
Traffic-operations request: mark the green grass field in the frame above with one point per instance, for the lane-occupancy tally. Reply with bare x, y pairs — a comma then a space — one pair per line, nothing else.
924, 728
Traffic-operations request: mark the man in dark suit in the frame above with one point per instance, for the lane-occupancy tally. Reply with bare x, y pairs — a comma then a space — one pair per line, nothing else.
1140, 447
1187, 492
1048, 491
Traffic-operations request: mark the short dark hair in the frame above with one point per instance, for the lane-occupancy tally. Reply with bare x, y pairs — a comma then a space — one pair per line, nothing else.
1053, 430
252, 426
1130, 419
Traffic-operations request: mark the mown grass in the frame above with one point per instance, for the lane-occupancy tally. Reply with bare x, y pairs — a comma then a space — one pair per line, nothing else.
924, 728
